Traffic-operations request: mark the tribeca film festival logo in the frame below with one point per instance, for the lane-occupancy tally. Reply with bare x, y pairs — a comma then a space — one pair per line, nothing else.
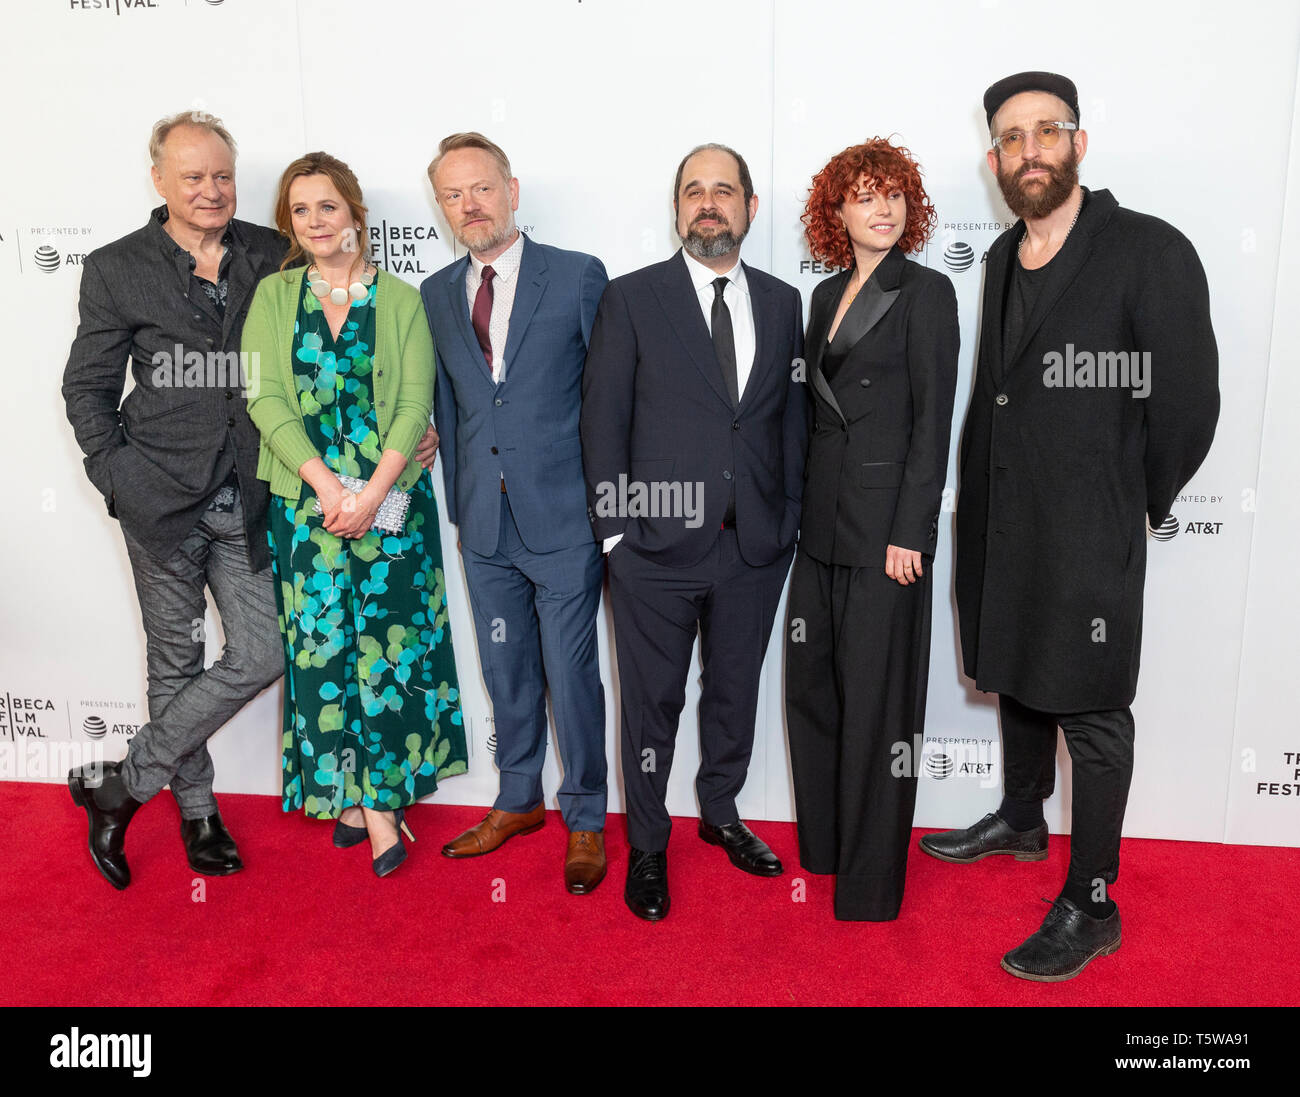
401, 248
26, 717
1290, 761
651, 499
117, 7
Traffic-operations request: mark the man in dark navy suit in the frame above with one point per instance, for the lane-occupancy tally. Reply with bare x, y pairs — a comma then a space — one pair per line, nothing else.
510, 324
693, 436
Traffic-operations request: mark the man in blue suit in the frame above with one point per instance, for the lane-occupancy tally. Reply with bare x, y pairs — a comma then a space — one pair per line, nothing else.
511, 323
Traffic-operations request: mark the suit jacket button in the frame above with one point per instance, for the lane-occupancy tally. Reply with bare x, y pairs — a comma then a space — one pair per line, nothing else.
865, 382
726, 474
494, 449
498, 401
735, 426
1001, 400
230, 422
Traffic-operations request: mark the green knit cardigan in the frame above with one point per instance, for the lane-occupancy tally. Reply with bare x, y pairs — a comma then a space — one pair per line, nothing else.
402, 377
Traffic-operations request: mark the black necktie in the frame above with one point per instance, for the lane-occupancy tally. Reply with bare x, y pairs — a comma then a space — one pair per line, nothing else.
724, 341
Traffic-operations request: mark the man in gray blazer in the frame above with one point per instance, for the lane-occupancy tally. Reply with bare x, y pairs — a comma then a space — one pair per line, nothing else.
176, 464
511, 321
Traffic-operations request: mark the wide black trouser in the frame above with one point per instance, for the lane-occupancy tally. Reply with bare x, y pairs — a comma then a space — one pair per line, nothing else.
657, 610
857, 668
1101, 755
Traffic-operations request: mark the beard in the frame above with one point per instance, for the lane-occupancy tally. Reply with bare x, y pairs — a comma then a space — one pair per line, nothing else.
1042, 199
487, 237
716, 244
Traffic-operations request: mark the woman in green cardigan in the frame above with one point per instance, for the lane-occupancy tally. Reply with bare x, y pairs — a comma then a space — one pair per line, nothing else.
341, 384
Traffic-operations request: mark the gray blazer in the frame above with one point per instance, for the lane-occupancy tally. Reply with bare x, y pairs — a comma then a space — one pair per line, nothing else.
160, 456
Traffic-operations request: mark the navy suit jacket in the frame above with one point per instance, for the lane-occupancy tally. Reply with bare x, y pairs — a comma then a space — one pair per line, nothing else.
655, 409
527, 426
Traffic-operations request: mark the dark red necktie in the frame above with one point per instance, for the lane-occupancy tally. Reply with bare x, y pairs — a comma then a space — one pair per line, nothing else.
481, 318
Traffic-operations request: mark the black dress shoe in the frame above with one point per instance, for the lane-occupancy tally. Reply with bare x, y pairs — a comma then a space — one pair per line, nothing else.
99, 789
209, 847
745, 848
990, 835
1066, 942
646, 891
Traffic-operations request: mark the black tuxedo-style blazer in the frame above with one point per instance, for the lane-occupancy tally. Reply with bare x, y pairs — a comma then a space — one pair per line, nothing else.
879, 447
656, 411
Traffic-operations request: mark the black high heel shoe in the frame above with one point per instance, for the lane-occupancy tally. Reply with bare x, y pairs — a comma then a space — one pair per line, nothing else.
345, 837
394, 855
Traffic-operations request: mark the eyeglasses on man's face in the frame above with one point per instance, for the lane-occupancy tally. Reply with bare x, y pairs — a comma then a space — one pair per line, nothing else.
1045, 136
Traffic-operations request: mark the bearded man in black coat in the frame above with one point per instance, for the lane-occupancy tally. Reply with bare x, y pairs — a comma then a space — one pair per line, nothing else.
1096, 398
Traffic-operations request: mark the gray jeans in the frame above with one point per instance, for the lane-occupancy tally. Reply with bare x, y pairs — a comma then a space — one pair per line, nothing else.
187, 703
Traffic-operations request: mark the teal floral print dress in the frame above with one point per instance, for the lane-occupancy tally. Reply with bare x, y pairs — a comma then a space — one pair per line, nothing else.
372, 710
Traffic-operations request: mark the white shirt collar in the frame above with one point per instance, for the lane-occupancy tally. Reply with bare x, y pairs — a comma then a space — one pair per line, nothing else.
506, 265
702, 276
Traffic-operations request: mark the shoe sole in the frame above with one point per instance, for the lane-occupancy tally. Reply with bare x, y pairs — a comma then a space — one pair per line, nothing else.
780, 869
1018, 854
1105, 950
217, 871
484, 852
78, 791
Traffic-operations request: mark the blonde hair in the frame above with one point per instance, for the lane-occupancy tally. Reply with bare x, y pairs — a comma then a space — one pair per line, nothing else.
471, 140
199, 118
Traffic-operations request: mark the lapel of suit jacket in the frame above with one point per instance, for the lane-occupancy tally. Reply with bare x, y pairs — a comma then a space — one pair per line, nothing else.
872, 302
1064, 268
997, 284
677, 296
819, 324
529, 287
760, 303
459, 305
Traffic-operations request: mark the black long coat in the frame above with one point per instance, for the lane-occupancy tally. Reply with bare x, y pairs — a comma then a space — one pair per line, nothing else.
1057, 479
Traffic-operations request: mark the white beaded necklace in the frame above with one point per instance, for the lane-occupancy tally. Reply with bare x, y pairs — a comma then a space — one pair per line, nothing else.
356, 291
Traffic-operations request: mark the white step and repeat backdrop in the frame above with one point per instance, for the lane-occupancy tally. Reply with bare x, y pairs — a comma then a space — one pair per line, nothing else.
1192, 114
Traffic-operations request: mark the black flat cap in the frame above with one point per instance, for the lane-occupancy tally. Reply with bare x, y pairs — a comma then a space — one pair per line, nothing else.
1052, 83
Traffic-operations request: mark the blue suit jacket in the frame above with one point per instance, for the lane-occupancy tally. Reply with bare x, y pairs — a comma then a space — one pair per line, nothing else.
527, 426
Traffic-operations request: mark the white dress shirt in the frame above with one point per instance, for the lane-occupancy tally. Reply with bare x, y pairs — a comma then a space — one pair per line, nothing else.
736, 295
506, 269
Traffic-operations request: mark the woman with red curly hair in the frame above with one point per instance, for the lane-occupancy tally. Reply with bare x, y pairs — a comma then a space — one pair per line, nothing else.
882, 369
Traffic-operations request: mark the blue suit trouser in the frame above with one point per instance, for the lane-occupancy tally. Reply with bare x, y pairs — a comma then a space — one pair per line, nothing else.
535, 618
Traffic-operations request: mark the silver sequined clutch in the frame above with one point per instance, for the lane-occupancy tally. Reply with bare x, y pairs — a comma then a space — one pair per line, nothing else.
391, 516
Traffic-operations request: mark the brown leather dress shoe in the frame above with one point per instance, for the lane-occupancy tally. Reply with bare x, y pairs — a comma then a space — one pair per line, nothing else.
584, 864
494, 830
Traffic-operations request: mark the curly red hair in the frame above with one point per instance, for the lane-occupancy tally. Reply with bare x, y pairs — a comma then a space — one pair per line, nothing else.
884, 165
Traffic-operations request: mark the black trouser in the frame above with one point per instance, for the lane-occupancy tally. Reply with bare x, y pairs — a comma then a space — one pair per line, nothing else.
1101, 753
857, 665
657, 610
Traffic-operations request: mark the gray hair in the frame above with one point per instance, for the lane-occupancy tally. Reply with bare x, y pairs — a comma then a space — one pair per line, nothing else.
202, 119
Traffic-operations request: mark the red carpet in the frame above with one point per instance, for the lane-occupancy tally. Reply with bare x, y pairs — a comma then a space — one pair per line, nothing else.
306, 924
